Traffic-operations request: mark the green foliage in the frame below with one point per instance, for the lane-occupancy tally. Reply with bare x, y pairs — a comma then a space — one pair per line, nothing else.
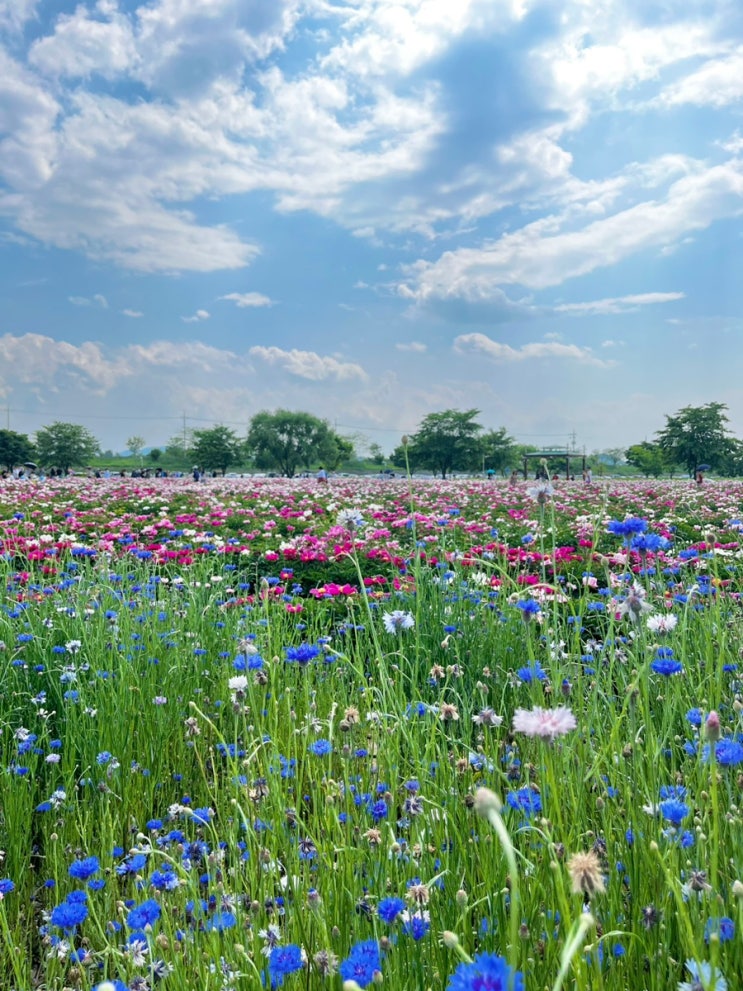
499, 450
15, 448
696, 435
343, 452
216, 448
649, 459
287, 440
65, 446
376, 454
155, 454
134, 445
446, 441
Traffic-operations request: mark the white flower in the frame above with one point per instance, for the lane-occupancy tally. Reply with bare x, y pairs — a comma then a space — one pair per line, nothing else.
350, 519
541, 493
659, 623
398, 620
238, 684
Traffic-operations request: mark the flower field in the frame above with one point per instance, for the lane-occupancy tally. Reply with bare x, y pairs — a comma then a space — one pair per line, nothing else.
266, 733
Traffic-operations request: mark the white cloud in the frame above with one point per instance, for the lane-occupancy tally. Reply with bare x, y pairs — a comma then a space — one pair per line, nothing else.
717, 83
248, 299
197, 317
47, 363
416, 347
82, 45
542, 254
618, 304
134, 314
399, 36
15, 13
308, 364
96, 300
481, 344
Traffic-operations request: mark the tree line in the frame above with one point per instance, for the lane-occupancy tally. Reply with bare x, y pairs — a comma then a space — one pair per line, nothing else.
288, 442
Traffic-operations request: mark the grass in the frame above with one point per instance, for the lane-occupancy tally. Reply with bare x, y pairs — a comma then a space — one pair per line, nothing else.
346, 768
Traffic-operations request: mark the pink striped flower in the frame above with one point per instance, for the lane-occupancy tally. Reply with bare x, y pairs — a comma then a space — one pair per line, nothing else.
547, 724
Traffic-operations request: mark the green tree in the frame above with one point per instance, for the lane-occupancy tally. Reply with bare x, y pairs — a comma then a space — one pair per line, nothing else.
15, 449
447, 441
732, 463
287, 440
696, 435
177, 449
343, 452
498, 449
376, 454
155, 454
134, 445
216, 448
649, 459
65, 446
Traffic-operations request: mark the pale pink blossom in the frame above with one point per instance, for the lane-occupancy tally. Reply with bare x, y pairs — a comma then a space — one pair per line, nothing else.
547, 724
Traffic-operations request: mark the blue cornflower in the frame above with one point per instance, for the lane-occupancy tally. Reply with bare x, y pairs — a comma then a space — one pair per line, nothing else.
728, 752
165, 880
69, 914
6, 886
389, 909
282, 961
525, 800
529, 608
247, 662
221, 921
533, 672
723, 928
378, 810
144, 915
362, 963
649, 542
666, 666
416, 926
674, 811
694, 716
703, 976
114, 984
320, 748
302, 654
628, 527
487, 972
81, 870
672, 791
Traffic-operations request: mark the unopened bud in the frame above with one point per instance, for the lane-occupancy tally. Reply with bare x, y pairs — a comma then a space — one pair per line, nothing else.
712, 727
487, 802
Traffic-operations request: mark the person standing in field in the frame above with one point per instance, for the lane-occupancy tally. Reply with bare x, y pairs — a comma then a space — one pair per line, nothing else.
322, 475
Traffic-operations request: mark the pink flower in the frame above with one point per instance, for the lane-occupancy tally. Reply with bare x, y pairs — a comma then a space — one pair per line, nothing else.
547, 724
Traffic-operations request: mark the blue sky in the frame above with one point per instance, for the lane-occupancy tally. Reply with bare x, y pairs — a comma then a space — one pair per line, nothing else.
371, 210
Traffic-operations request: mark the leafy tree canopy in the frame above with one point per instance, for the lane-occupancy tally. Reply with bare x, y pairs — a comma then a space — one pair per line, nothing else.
499, 450
65, 446
15, 448
447, 441
135, 445
649, 459
216, 448
696, 435
287, 440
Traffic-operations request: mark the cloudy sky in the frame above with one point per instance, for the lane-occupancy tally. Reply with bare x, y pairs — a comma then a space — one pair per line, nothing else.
371, 210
